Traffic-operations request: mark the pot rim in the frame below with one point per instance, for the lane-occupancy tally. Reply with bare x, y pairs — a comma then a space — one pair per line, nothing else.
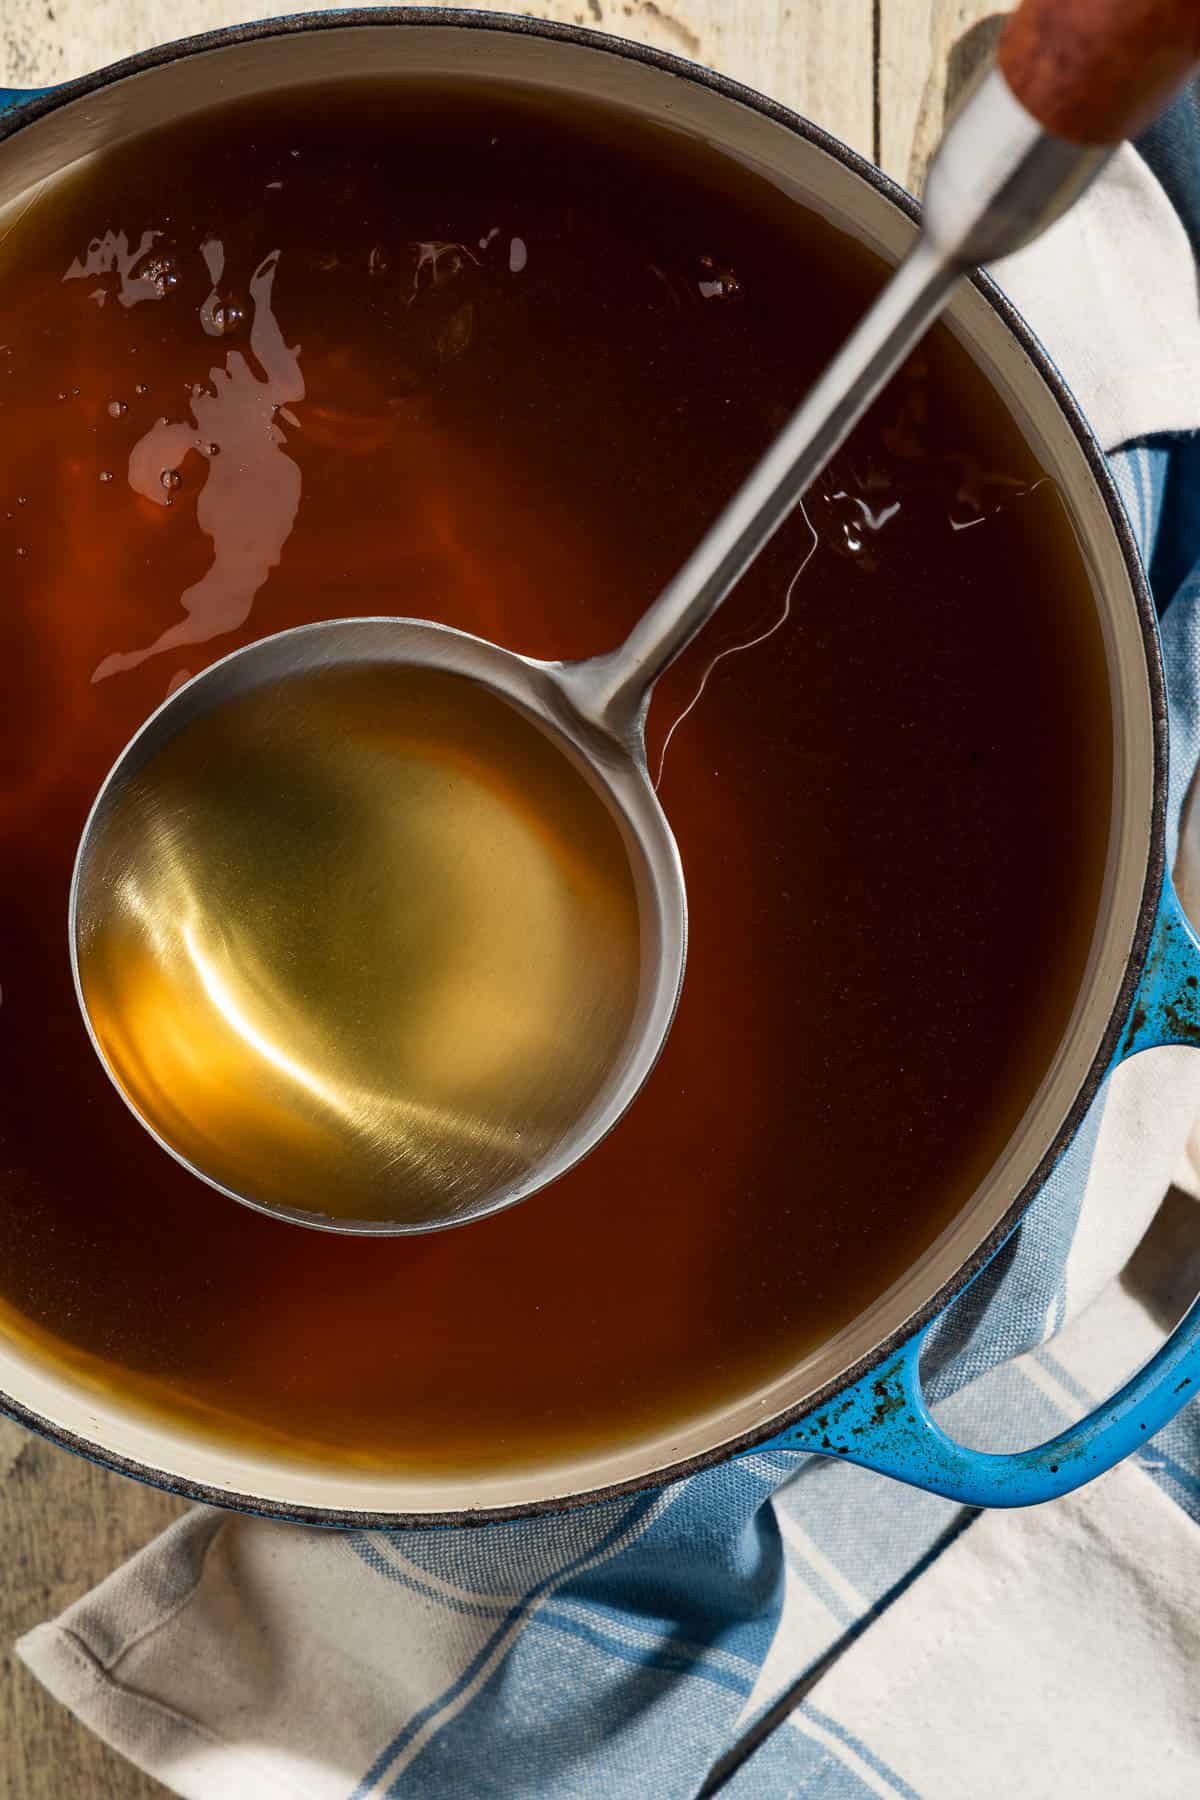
44, 101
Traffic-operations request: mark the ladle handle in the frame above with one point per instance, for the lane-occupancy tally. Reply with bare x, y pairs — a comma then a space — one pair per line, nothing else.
1096, 71
1074, 76
614, 691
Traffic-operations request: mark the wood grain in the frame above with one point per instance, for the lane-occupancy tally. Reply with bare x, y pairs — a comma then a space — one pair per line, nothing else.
816, 55
929, 51
64, 1525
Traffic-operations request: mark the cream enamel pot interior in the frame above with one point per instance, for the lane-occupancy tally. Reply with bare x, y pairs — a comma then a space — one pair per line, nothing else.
858, 1395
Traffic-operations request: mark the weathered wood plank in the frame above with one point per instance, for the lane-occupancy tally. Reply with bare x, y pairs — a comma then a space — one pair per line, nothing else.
64, 1525
928, 50
814, 54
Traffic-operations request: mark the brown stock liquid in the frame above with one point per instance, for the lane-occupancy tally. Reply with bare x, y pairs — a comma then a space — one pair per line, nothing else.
498, 363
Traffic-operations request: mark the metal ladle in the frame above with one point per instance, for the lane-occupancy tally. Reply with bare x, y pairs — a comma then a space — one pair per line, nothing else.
999, 178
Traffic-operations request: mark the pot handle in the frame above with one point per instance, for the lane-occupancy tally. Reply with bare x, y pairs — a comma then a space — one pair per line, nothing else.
882, 1421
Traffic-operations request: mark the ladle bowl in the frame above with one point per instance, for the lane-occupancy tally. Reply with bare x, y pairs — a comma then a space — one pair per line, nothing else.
482, 1170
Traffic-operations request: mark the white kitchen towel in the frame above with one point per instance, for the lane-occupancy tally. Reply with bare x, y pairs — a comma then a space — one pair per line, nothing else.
1111, 290
1035, 1657
1049, 1652
621, 1650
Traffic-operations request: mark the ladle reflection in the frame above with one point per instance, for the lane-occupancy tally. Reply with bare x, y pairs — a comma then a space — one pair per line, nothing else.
381, 948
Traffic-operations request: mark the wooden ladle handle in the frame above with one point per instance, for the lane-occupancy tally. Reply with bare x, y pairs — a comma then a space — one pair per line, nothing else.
1095, 71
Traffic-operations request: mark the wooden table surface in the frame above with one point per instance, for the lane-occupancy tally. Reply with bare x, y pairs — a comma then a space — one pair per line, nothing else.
876, 73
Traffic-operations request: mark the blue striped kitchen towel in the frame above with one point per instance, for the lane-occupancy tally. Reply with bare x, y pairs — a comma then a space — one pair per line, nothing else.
622, 1650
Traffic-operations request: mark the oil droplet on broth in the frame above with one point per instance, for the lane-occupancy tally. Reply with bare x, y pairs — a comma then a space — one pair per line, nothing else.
374, 945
